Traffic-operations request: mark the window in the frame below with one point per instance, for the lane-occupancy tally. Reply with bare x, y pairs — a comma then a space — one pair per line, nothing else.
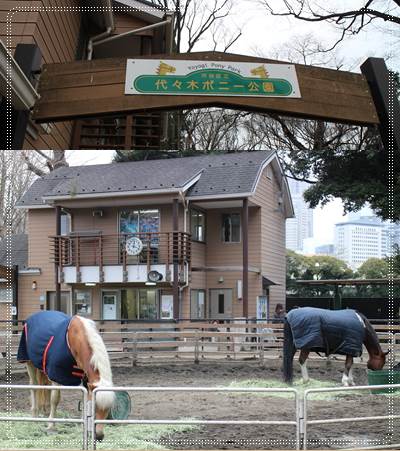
231, 228
139, 221
65, 220
221, 304
197, 304
82, 302
6, 295
198, 225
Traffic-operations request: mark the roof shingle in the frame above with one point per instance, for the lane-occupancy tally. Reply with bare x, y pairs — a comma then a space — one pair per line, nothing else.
221, 174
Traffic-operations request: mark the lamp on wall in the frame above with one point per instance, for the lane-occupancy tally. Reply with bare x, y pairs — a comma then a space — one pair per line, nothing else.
34, 285
221, 280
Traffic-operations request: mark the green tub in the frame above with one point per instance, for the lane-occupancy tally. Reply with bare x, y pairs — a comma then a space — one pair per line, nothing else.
383, 377
122, 406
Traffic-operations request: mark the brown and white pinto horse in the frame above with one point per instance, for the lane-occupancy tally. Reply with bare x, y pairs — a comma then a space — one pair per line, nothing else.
90, 354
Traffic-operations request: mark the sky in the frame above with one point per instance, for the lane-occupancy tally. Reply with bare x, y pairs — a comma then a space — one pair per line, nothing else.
262, 35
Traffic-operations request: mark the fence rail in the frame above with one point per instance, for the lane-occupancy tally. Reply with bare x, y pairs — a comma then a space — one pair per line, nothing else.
292, 391
83, 420
136, 343
300, 420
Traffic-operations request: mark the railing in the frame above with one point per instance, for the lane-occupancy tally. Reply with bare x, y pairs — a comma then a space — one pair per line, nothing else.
299, 419
96, 249
135, 343
290, 391
85, 412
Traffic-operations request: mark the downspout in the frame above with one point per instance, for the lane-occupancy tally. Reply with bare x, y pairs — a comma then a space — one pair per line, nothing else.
110, 28
94, 39
185, 203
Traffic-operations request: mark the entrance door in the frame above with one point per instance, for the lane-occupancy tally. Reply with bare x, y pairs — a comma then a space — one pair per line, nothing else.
220, 303
110, 305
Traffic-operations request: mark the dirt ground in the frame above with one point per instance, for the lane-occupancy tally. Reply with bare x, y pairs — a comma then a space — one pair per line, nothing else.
214, 406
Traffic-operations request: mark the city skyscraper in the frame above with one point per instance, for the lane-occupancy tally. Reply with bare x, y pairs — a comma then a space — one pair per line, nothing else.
359, 239
301, 226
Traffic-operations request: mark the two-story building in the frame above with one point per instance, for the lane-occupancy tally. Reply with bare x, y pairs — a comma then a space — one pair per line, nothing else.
195, 237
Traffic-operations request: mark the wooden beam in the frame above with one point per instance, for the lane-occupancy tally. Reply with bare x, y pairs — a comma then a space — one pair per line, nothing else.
385, 99
94, 88
56, 268
175, 244
245, 244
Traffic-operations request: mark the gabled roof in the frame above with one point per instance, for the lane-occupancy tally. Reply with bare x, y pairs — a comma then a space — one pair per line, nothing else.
200, 177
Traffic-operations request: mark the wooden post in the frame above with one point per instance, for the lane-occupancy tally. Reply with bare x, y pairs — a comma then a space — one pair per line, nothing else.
175, 255
134, 349
196, 347
385, 100
245, 242
58, 260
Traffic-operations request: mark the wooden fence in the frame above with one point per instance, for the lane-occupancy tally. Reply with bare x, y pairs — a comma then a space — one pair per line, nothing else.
168, 342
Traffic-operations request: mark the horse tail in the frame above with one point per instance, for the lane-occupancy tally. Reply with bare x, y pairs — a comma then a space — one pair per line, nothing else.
289, 351
43, 396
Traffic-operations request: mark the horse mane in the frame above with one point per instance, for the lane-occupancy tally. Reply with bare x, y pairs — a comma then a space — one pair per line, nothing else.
100, 362
371, 337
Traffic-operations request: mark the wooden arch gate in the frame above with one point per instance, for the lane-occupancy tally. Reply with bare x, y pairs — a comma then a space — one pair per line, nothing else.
95, 88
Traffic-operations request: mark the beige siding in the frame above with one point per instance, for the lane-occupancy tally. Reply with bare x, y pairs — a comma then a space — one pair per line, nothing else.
272, 237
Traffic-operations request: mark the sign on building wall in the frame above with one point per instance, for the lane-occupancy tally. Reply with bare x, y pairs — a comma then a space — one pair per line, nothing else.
211, 78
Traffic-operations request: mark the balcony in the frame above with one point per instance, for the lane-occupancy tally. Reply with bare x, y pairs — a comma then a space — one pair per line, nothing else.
91, 257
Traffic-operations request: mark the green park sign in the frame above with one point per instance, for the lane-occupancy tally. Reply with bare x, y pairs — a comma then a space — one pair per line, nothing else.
210, 78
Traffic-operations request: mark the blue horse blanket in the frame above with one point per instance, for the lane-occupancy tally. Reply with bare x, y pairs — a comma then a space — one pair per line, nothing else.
329, 331
44, 343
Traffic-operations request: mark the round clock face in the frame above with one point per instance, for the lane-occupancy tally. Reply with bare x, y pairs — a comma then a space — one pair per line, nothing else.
133, 246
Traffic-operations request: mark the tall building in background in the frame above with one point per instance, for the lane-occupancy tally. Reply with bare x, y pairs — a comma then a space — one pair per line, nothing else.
301, 226
357, 240
325, 249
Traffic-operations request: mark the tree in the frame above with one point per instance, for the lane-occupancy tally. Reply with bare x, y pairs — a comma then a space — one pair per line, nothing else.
374, 268
316, 267
349, 21
196, 20
15, 179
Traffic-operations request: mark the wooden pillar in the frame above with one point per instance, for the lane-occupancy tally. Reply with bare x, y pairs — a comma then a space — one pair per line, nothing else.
245, 242
385, 100
175, 253
58, 257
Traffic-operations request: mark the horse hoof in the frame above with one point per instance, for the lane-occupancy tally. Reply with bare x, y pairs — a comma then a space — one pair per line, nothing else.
51, 431
99, 437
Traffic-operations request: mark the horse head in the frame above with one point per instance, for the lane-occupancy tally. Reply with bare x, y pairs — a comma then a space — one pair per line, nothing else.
377, 361
104, 403
91, 355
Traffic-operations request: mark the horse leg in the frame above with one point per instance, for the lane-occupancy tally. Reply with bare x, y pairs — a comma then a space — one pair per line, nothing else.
33, 381
302, 360
347, 378
54, 400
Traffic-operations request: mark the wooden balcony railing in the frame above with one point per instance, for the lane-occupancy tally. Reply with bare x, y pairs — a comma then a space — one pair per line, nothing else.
95, 249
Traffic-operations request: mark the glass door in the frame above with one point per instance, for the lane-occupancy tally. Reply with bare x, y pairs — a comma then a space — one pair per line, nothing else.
148, 308
138, 303
110, 305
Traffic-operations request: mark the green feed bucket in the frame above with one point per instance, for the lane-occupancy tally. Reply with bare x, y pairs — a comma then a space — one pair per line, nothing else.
122, 406
383, 377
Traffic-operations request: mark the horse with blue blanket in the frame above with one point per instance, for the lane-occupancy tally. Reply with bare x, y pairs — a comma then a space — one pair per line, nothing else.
341, 332
64, 350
